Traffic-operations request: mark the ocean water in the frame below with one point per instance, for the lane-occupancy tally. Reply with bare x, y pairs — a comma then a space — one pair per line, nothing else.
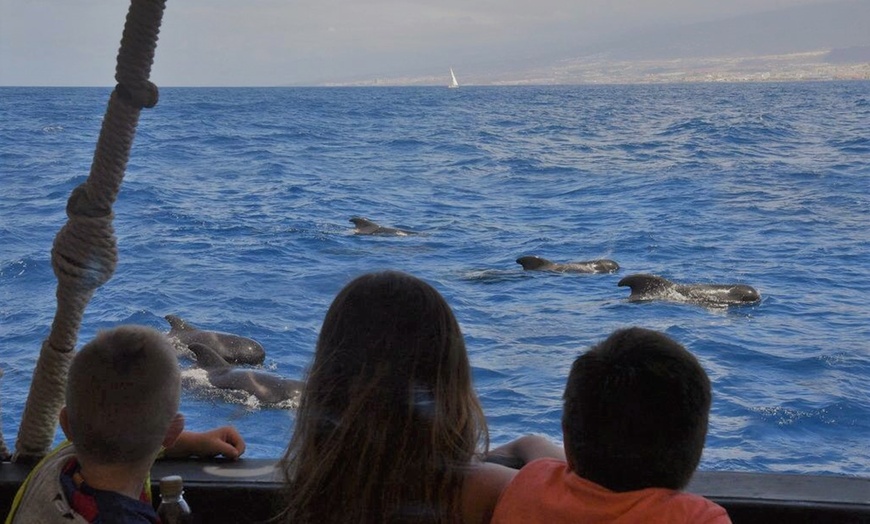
234, 215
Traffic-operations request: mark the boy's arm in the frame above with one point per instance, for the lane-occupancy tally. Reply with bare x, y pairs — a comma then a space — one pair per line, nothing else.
523, 450
224, 441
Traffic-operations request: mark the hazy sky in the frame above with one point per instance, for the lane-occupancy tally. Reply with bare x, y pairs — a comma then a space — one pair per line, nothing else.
280, 42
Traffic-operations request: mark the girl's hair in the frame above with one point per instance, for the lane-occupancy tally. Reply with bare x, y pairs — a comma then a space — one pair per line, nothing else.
388, 420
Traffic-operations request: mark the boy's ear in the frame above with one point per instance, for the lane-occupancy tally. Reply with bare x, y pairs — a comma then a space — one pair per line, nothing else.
175, 429
64, 422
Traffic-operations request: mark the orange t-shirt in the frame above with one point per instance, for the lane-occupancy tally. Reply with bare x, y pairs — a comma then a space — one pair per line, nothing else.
545, 492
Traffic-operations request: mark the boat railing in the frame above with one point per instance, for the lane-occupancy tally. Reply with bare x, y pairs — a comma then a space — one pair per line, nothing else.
250, 491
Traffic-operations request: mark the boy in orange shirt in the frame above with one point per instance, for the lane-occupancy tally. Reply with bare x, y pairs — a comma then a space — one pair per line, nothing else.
634, 424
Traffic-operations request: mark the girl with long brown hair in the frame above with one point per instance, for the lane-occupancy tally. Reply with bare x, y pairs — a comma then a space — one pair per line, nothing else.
389, 428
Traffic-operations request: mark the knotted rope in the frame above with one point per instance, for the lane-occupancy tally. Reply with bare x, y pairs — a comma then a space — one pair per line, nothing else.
85, 251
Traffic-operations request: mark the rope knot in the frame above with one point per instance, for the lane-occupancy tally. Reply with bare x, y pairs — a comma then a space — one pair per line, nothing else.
85, 252
80, 204
143, 95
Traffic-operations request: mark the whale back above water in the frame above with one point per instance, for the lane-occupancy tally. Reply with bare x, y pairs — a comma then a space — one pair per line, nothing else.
652, 287
267, 387
534, 263
232, 348
364, 226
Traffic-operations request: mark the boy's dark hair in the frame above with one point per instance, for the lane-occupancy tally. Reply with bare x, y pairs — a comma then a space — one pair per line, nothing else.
635, 413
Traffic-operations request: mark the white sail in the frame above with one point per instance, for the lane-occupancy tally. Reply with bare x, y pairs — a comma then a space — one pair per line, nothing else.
453, 82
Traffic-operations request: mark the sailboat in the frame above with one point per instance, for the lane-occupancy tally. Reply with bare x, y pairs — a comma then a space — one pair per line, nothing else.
453, 83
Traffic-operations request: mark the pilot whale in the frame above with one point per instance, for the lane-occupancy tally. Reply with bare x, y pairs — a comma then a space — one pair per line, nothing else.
268, 387
651, 287
232, 348
365, 226
532, 263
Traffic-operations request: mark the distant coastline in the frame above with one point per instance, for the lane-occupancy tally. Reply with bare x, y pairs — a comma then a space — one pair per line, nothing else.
794, 67
844, 64
769, 46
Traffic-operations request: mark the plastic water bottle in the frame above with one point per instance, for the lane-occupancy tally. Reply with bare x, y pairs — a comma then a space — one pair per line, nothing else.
173, 509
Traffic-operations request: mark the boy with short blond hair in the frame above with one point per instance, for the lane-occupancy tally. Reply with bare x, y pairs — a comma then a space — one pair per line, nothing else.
122, 398
123, 392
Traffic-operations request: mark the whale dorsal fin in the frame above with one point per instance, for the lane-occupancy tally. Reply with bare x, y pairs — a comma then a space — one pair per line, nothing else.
533, 262
178, 323
642, 284
206, 357
363, 222
365, 226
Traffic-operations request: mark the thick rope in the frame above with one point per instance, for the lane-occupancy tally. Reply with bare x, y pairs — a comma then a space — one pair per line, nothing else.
85, 251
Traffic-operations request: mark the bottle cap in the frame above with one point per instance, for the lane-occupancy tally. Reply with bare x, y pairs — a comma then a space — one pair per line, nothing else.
171, 486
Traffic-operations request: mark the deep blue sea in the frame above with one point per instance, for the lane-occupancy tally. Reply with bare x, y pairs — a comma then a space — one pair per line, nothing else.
234, 215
